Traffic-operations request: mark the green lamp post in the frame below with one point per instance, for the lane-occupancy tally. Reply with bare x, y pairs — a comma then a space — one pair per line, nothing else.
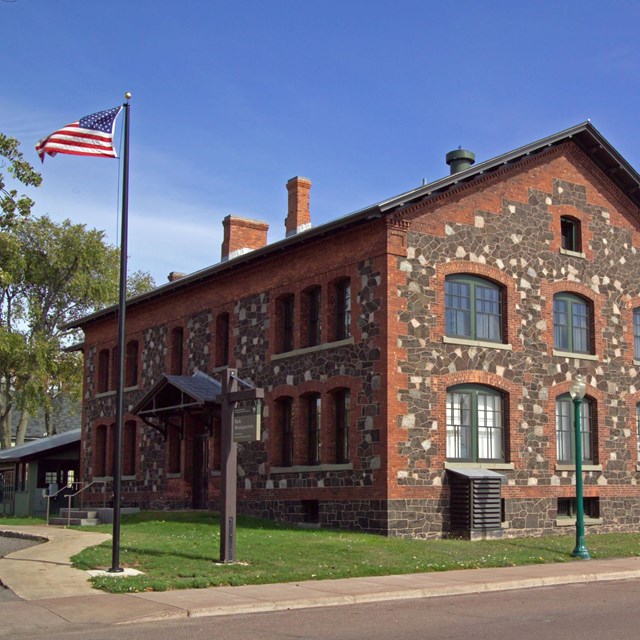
577, 390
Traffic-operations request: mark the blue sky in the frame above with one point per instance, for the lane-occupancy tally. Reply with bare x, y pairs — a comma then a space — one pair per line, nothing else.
364, 97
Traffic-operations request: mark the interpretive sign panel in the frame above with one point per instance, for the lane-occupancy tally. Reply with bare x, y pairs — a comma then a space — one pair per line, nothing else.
246, 424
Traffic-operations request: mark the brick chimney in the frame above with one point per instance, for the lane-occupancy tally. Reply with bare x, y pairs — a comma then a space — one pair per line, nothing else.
298, 217
241, 236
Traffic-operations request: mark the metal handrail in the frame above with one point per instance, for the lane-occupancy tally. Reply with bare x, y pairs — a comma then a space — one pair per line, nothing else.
73, 495
53, 495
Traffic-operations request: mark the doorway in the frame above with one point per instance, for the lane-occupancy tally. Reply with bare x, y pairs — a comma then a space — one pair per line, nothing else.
200, 484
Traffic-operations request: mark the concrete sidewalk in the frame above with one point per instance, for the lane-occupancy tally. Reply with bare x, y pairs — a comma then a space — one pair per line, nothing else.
54, 595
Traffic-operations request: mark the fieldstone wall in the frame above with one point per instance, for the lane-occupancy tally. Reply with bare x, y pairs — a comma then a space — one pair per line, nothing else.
517, 245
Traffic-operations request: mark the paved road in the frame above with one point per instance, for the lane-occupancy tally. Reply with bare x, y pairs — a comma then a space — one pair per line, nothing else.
606, 611
7, 546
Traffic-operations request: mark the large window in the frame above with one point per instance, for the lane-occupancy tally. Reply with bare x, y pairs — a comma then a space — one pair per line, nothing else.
129, 449
571, 236
103, 371
222, 340
314, 422
285, 419
571, 323
475, 424
313, 316
473, 309
100, 451
342, 417
285, 322
565, 438
174, 449
177, 350
636, 334
343, 309
638, 429
131, 364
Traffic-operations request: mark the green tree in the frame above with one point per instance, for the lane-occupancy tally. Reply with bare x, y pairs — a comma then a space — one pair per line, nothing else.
14, 207
50, 274
62, 271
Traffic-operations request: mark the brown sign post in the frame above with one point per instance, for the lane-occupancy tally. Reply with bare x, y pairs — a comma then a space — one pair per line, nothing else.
246, 432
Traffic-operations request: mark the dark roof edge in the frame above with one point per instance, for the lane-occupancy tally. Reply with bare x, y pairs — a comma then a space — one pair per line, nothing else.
585, 135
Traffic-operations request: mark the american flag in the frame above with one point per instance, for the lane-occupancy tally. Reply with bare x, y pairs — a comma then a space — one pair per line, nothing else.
89, 136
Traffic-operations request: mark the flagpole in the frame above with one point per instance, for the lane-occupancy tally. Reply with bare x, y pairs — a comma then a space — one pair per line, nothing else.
122, 305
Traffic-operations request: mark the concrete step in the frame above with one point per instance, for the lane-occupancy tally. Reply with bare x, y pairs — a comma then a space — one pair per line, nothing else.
78, 513
76, 522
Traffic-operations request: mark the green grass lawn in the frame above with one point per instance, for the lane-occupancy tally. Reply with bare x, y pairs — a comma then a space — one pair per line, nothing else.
178, 550
20, 520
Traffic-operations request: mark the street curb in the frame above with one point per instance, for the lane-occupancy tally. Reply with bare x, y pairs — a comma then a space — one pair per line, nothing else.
388, 596
7, 533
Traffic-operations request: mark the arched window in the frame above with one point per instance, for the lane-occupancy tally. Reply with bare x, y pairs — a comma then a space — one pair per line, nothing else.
638, 429
222, 340
342, 420
636, 333
313, 416
174, 449
474, 308
312, 316
285, 423
565, 432
342, 306
285, 310
103, 371
475, 424
572, 320
131, 364
177, 350
129, 449
100, 452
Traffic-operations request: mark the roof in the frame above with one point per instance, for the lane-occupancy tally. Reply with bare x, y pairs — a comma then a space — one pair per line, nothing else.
172, 393
37, 447
584, 135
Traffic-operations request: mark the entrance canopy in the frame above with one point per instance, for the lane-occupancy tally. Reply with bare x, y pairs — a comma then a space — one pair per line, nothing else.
172, 397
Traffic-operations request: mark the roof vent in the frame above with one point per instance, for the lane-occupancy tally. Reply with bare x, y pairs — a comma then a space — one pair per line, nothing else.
460, 159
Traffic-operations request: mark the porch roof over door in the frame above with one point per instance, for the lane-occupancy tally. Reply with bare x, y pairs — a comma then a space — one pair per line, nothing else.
171, 397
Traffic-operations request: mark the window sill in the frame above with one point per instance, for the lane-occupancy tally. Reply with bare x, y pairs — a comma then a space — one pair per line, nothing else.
574, 254
112, 392
173, 476
314, 349
479, 465
128, 477
477, 343
572, 467
636, 362
638, 467
102, 479
578, 356
571, 522
305, 468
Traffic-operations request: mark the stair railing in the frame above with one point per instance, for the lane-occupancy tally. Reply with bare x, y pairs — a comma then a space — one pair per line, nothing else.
73, 495
59, 491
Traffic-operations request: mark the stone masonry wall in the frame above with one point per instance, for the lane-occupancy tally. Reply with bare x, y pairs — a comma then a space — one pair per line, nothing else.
508, 231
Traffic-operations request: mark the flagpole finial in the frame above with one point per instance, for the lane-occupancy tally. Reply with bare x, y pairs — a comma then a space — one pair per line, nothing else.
127, 95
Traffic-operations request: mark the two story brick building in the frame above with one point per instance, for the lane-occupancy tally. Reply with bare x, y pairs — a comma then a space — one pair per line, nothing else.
432, 335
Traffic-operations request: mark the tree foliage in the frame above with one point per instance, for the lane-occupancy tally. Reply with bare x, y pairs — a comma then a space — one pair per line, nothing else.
51, 274
14, 207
